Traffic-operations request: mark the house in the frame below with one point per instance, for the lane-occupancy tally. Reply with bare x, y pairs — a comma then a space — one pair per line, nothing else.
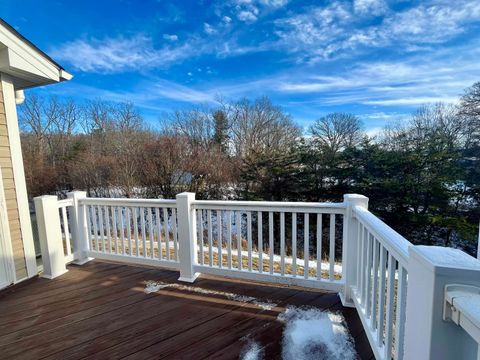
22, 66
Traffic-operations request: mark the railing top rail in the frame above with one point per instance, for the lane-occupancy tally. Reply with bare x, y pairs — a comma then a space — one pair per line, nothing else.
275, 206
65, 202
129, 202
395, 243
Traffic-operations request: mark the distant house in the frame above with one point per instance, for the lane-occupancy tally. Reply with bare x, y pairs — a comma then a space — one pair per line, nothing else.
22, 66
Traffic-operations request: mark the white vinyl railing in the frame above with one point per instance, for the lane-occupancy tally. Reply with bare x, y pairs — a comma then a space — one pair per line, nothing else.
279, 242
133, 229
65, 207
397, 288
381, 285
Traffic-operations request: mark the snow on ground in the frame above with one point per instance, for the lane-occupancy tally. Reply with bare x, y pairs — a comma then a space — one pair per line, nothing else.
314, 334
252, 351
277, 258
153, 286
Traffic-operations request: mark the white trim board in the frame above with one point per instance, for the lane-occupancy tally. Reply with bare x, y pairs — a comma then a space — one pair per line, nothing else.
19, 174
25, 62
6, 250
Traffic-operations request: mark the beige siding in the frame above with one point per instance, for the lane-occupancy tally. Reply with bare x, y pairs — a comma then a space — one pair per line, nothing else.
10, 195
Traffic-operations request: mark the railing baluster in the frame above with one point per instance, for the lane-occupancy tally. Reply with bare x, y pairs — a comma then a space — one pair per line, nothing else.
115, 227
102, 229
373, 322
229, 239
96, 234
319, 246
359, 247
368, 295
107, 223
331, 255
200, 234
400, 309
67, 231
122, 228
159, 232
150, 232
210, 238
175, 234
167, 233
219, 238
364, 264
135, 230
270, 241
381, 295
89, 225
282, 243
306, 245
238, 225
144, 233
260, 241
294, 244
127, 215
249, 238
389, 307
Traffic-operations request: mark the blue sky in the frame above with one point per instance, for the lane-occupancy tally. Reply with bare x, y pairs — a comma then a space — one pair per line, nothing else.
378, 59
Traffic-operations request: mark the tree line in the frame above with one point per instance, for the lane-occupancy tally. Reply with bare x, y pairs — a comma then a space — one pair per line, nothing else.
422, 175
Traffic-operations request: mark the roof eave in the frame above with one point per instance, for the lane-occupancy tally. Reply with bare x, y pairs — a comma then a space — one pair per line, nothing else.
27, 64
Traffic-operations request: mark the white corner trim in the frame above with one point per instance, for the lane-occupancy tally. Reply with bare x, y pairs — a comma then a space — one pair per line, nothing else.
19, 174
6, 250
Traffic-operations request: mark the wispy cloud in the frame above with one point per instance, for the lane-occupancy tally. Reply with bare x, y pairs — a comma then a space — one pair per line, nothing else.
251, 10
247, 15
387, 61
413, 101
338, 28
169, 90
334, 30
120, 54
170, 37
209, 29
275, 3
370, 7
410, 82
153, 93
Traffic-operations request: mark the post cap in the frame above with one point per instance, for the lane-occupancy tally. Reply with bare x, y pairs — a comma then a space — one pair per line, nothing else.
444, 259
356, 199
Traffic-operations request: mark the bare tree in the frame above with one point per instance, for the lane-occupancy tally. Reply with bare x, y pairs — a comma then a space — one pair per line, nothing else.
126, 140
469, 110
337, 131
260, 125
195, 125
33, 121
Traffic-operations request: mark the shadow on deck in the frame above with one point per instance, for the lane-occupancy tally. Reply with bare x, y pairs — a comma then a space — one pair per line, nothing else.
100, 311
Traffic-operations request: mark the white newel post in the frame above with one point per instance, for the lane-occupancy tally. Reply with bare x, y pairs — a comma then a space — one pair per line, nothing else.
187, 238
427, 335
79, 228
350, 245
50, 234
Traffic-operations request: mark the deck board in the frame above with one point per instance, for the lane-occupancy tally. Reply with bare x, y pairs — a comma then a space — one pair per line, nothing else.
100, 311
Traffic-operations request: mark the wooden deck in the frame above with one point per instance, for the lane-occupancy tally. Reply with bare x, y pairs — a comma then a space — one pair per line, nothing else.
100, 311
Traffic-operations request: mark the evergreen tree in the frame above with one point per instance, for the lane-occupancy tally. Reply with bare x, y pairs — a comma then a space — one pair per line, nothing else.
220, 136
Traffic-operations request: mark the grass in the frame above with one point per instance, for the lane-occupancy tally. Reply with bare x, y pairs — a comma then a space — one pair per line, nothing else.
116, 246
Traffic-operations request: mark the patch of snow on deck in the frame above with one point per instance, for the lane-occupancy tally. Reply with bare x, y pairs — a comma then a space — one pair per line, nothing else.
314, 334
154, 286
252, 351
